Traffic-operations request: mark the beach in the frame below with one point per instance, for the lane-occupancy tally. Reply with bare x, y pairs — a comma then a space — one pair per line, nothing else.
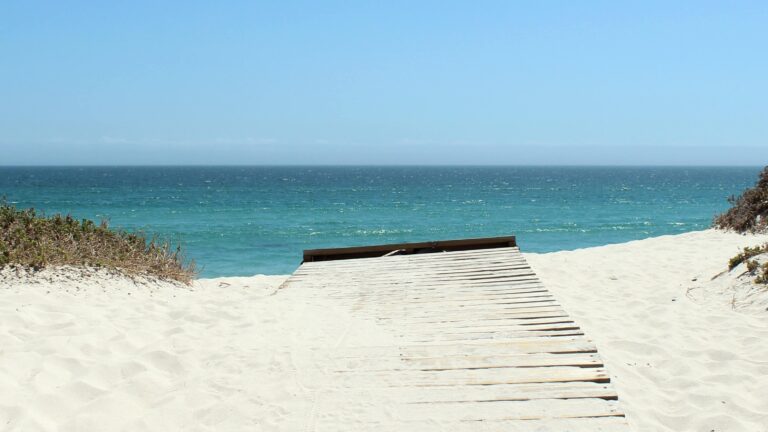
383, 216
91, 350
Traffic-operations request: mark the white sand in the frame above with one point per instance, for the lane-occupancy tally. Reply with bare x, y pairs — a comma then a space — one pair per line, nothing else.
103, 353
678, 364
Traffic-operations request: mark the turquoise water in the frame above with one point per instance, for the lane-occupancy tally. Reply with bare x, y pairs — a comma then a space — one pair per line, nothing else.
250, 220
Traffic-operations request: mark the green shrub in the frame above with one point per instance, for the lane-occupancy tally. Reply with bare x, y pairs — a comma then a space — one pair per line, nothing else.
748, 212
748, 253
762, 277
752, 265
33, 240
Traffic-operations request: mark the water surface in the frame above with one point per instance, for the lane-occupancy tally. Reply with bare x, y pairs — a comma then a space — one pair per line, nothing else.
249, 220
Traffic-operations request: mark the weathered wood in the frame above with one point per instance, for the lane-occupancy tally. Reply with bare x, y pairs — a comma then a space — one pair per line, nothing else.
426, 287
542, 409
468, 305
502, 392
501, 324
446, 266
479, 343
496, 329
469, 362
470, 301
500, 276
583, 424
433, 297
480, 338
408, 248
456, 316
518, 346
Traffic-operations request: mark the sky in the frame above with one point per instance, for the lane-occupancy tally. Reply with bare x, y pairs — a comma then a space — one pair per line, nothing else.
443, 82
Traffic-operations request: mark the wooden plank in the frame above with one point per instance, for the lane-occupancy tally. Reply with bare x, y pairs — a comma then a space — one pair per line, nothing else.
537, 312
453, 253
476, 312
448, 305
435, 260
509, 275
326, 281
542, 409
530, 309
312, 255
494, 329
538, 323
436, 263
432, 296
519, 346
482, 338
422, 287
483, 345
446, 266
501, 392
501, 324
468, 362
409, 266
578, 424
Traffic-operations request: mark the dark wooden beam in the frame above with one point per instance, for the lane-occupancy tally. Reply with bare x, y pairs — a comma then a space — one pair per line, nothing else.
407, 248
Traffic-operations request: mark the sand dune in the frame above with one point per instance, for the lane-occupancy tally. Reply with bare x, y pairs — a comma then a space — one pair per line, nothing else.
92, 351
679, 362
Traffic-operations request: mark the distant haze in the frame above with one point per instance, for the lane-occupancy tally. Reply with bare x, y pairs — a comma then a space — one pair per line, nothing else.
488, 82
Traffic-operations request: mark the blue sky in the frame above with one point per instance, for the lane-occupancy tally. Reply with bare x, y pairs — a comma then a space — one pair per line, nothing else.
482, 82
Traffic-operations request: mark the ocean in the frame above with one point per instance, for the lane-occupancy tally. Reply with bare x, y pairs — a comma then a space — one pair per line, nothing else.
257, 220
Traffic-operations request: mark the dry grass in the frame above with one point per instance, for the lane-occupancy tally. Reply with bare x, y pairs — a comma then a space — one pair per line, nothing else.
33, 240
749, 212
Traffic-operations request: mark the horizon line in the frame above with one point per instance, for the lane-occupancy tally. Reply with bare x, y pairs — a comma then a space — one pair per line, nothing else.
345, 165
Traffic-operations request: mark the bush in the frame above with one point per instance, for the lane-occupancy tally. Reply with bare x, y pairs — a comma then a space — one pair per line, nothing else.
748, 253
749, 212
762, 277
753, 266
32, 240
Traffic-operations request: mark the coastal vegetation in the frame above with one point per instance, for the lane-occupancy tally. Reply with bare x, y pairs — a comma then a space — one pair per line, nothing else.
30, 239
749, 211
748, 253
760, 271
749, 214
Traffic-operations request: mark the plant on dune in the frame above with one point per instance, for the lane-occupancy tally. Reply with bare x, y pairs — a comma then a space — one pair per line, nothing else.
748, 253
33, 240
762, 277
749, 211
753, 267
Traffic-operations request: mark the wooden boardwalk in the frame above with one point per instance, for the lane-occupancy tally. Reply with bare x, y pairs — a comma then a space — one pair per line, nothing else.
482, 345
